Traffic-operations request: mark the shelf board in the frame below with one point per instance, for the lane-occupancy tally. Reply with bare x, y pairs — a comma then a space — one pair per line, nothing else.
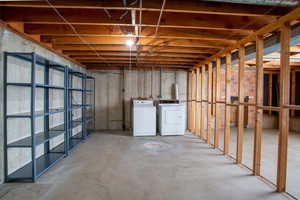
40, 138
60, 127
50, 86
43, 163
39, 85
36, 113
77, 120
89, 119
74, 142
77, 136
76, 89
76, 123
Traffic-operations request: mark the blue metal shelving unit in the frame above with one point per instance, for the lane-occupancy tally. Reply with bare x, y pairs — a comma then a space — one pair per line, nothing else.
53, 150
74, 121
90, 106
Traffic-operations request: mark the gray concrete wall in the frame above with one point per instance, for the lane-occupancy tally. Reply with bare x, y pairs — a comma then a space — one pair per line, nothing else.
136, 83
18, 98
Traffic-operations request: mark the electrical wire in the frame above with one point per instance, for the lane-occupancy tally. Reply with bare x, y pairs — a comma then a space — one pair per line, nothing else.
75, 31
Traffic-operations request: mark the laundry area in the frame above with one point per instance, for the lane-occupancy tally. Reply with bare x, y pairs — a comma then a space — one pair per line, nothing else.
150, 100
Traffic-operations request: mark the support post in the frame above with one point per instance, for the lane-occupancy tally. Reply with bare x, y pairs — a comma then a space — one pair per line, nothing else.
270, 91
209, 101
202, 102
189, 100
259, 102
197, 121
227, 106
240, 133
284, 112
217, 108
193, 103
293, 90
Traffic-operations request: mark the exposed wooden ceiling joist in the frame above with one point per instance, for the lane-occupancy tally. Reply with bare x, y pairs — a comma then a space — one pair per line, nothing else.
168, 20
154, 5
147, 49
78, 54
176, 33
142, 41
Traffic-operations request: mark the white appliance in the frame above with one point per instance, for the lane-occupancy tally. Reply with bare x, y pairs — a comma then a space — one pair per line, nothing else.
172, 119
144, 118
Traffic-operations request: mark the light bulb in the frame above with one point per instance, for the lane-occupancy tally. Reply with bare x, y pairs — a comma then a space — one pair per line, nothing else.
129, 43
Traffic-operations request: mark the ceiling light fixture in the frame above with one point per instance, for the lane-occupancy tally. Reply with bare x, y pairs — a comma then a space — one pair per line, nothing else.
129, 43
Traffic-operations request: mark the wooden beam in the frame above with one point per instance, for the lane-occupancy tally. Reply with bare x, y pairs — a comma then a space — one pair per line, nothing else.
135, 65
184, 64
285, 35
259, 102
217, 94
17, 29
241, 91
81, 16
291, 16
117, 54
143, 67
142, 41
228, 101
197, 121
134, 59
123, 48
119, 31
209, 102
196, 7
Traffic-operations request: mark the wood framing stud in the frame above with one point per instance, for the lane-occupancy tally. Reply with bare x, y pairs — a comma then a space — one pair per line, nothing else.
228, 101
284, 111
293, 92
197, 120
209, 102
190, 102
193, 103
270, 91
259, 102
202, 102
240, 133
217, 94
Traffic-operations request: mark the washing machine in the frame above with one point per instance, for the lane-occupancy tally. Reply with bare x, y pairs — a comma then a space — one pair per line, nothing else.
143, 118
172, 119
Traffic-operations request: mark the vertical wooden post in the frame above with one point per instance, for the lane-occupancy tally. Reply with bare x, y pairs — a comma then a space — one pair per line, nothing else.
293, 90
270, 91
209, 101
284, 100
259, 102
217, 94
189, 100
202, 101
240, 133
193, 103
197, 121
214, 94
227, 101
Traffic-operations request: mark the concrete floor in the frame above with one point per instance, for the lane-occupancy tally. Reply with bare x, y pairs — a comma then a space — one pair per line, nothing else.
114, 166
269, 156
